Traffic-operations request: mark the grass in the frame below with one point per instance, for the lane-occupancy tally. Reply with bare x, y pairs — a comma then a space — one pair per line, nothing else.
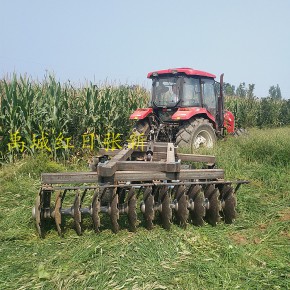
252, 253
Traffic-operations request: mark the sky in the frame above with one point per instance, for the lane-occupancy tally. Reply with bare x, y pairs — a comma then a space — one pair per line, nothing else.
121, 41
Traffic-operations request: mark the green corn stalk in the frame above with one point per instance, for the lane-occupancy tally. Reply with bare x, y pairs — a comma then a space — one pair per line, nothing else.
53, 109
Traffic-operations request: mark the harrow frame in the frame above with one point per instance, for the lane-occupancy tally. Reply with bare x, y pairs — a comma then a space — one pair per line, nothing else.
169, 188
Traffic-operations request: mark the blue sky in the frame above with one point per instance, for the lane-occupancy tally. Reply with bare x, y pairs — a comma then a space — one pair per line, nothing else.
122, 41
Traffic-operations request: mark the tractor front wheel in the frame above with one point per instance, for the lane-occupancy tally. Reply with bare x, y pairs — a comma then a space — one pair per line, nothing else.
196, 133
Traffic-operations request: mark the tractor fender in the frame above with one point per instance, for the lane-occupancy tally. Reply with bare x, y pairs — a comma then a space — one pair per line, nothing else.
183, 114
229, 121
141, 114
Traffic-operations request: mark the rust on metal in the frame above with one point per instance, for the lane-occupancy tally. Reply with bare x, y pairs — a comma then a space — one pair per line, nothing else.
122, 177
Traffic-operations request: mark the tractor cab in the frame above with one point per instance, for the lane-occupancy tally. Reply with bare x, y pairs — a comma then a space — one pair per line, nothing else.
183, 88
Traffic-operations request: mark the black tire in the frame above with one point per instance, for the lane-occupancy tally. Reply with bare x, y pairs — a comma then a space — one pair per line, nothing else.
196, 133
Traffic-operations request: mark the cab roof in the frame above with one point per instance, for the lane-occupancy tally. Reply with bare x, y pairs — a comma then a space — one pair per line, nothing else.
184, 70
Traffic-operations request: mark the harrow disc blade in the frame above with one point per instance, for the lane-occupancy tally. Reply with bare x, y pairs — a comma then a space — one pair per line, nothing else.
77, 214
57, 213
230, 203
212, 214
95, 212
196, 194
114, 213
182, 211
132, 214
149, 207
166, 213
38, 215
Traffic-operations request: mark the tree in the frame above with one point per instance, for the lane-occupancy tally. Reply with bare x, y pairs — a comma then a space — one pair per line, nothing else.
275, 92
229, 90
241, 90
250, 91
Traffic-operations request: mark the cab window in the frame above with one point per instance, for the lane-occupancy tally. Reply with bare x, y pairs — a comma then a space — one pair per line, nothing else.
208, 93
191, 92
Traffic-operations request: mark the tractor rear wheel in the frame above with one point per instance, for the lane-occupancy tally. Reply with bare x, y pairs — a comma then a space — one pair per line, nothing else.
195, 134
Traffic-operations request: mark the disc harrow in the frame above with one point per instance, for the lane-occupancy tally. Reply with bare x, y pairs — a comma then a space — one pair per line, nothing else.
166, 190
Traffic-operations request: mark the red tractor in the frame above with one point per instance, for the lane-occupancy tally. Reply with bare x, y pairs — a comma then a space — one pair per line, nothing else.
186, 107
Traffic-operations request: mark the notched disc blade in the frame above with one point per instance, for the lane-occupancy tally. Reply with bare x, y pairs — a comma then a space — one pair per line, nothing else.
230, 203
166, 213
38, 219
114, 215
182, 212
77, 214
196, 194
95, 212
57, 213
132, 214
149, 208
213, 212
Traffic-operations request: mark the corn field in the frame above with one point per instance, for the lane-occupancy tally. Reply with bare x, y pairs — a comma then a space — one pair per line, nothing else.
59, 118
254, 112
63, 119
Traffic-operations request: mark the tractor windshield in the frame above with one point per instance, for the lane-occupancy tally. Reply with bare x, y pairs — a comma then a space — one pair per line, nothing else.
172, 91
165, 91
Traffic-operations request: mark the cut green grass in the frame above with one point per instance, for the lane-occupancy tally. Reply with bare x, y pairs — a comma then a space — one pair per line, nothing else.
252, 253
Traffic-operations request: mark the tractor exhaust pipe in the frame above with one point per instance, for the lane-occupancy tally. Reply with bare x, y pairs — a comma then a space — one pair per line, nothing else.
220, 121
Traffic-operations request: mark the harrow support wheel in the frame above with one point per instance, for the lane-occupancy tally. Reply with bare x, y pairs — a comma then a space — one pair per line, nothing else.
57, 213
132, 214
166, 212
77, 214
149, 207
182, 212
38, 214
229, 204
95, 212
212, 215
114, 212
196, 194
